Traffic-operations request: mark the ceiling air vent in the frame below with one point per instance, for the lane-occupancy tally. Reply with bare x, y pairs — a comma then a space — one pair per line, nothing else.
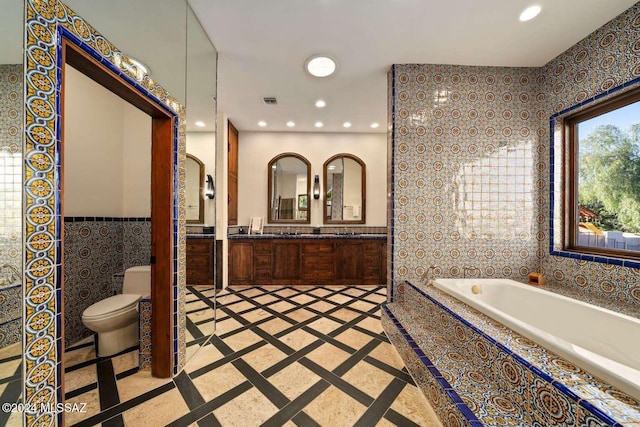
270, 100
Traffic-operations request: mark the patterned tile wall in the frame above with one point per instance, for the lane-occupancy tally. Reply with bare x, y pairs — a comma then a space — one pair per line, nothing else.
468, 165
598, 64
501, 376
94, 250
11, 108
46, 22
455, 132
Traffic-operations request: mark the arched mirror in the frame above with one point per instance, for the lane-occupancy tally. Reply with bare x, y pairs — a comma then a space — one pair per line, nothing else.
345, 190
289, 189
194, 190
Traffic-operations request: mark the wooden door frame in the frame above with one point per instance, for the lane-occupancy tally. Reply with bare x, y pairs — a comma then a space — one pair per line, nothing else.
162, 195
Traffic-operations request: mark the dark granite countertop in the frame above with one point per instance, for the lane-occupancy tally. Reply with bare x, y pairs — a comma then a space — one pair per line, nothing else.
307, 236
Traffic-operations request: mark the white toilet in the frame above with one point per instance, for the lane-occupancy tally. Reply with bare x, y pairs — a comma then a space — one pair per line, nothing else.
115, 319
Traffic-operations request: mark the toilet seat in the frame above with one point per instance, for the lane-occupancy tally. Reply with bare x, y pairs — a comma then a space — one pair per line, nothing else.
112, 306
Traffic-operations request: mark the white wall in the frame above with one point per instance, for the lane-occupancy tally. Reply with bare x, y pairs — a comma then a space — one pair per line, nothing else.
136, 162
107, 152
203, 146
257, 148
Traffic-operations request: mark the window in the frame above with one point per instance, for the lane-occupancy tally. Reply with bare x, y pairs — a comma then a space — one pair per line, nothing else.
603, 189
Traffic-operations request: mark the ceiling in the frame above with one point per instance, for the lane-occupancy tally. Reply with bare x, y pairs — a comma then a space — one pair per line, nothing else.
263, 45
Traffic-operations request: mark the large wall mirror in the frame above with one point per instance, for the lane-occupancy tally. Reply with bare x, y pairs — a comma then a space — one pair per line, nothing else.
345, 190
194, 189
289, 185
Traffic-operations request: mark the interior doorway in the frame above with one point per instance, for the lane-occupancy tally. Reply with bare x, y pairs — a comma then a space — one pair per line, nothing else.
162, 198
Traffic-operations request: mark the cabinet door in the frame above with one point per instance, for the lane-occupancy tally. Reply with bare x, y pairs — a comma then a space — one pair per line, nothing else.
349, 260
240, 261
286, 260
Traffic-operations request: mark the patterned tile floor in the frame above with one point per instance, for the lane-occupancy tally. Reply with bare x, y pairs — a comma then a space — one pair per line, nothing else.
306, 356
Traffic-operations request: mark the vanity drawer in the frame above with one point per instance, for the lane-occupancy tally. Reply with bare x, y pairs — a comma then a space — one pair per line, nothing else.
263, 274
263, 261
317, 248
317, 267
263, 247
199, 246
371, 246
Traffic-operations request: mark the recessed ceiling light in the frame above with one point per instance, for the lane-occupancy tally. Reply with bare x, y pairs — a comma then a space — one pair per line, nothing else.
320, 65
319, 124
530, 12
320, 103
200, 124
346, 124
290, 124
262, 124
375, 125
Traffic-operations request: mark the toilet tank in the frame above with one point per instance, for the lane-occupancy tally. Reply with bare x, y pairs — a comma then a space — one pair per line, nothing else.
137, 280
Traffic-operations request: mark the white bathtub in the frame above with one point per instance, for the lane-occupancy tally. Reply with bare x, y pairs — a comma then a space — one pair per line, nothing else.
601, 341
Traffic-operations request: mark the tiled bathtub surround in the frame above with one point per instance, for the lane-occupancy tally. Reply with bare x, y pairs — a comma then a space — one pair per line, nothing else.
10, 203
471, 165
491, 372
94, 250
466, 171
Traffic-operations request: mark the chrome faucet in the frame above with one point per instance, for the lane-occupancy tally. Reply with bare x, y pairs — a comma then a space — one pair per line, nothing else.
426, 276
10, 273
468, 268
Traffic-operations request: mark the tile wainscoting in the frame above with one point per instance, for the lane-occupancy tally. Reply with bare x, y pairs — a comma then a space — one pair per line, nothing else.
96, 249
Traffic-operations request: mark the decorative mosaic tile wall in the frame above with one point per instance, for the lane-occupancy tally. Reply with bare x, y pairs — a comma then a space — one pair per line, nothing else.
10, 203
462, 135
94, 250
601, 64
468, 165
46, 22
461, 358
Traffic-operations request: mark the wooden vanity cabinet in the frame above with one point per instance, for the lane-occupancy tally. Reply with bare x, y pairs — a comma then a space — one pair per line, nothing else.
200, 261
335, 261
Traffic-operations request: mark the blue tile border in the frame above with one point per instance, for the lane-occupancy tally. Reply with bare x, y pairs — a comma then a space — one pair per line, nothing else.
552, 180
446, 387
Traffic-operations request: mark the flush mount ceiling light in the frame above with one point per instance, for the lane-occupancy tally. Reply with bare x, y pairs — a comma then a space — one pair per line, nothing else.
318, 124
375, 125
262, 124
530, 12
346, 124
320, 103
291, 124
139, 68
200, 124
320, 65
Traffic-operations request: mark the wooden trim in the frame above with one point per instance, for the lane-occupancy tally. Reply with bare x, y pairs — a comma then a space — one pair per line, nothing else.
162, 273
571, 175
162, 188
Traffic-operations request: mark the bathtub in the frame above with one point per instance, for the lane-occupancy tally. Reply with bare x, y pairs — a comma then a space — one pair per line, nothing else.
600, 341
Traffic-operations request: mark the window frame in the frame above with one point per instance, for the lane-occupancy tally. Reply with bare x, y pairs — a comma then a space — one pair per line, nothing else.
570, 140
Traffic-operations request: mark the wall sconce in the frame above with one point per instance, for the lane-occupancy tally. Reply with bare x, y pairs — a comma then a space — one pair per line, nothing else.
210, 190
316, 187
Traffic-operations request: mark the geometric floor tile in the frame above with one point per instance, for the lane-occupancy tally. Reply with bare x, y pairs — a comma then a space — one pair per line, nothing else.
292, 355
